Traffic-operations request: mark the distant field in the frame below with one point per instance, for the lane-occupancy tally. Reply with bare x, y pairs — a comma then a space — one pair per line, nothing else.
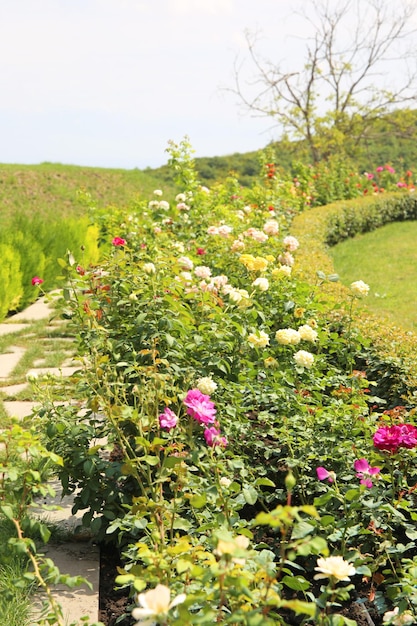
53, 187
386, 259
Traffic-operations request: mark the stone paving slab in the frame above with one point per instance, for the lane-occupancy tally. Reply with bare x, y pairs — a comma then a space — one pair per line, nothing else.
39, 310
12, 390
8, 329
51, 371
9, 360
75, 559
19, 408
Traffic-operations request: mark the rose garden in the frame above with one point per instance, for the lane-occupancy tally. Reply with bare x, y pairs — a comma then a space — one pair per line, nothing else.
257, 445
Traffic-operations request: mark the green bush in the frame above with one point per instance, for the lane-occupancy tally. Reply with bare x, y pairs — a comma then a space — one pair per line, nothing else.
11, 289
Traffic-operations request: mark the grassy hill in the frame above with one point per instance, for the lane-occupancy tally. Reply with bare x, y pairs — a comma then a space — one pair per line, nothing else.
52, 187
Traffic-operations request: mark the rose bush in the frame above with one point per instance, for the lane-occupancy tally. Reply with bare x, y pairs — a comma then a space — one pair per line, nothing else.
231, 407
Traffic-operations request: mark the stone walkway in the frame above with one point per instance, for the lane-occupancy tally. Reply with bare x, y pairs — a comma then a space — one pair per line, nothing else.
75, 558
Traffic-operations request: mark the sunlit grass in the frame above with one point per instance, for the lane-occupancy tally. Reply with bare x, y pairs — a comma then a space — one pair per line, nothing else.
386, 259
15, 600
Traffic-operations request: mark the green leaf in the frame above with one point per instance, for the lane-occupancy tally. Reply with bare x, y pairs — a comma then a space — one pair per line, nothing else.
302, 529
297, 583
7, 511
151, 460
250, 494
182, 565
298, 606
198, 501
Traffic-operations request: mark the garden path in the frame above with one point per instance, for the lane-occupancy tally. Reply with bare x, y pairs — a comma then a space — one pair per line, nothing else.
77, 556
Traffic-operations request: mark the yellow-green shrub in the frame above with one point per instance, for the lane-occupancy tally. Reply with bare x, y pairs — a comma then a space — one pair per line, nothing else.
11, 290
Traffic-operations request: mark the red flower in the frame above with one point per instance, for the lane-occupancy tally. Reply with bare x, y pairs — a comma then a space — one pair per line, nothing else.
201, 251
119, 241
37, 281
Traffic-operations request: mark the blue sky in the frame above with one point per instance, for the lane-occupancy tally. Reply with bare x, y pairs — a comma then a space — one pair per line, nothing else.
108, 82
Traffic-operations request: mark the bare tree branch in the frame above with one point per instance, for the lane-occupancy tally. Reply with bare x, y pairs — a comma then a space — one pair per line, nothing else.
340, 90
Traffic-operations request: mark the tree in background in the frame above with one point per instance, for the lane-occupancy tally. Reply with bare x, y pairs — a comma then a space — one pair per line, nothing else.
357, 69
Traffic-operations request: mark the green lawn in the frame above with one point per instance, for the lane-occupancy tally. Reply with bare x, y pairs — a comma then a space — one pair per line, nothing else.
386, 259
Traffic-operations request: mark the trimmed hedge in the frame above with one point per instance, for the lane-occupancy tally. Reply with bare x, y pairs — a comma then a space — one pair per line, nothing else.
392, 357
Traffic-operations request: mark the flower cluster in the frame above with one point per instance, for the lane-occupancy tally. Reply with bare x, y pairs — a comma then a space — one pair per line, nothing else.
391, 438
202, 409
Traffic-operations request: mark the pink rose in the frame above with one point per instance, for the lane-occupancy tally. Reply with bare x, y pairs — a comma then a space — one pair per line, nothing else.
37, 281
168, 419
119, 241
388, 438
200, 407
365, 471
213, 438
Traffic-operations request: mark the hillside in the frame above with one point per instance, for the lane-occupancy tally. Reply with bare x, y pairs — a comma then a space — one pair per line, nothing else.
51, 188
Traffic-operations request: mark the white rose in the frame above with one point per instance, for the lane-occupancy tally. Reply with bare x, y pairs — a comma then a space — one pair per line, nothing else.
288, 336
359, 289
307, 333
206, 385
261, 283
304, 359
149, 268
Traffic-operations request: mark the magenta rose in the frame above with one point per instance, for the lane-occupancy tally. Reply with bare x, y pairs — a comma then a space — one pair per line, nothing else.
408, 436
37, 281
200, 407
168, 419
213, 437
388, 438
119, 241
364, 471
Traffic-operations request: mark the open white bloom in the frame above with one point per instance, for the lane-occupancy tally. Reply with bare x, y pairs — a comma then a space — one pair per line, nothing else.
202, 271
220, 280
186, 276
153, 204
181, 206
392, 617
213, 230
164, 205
258, 339
224, 231
286, 259
335, 567
225, 482
237, 295
304, 358
178, 245
237, 246
158, 192
181, 197
206, 385
291, 243
359, 289
149, 268
288, 336
307, 333
185, 263
282, 270
261, 283
153, 604
271, 227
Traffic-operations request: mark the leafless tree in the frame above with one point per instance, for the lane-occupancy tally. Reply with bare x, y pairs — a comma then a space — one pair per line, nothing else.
356, 69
